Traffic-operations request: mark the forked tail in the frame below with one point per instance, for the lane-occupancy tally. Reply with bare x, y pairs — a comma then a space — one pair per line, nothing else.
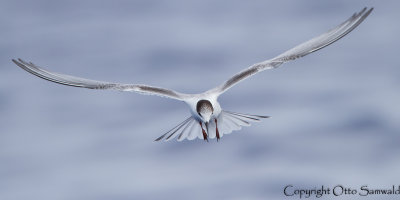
226, 121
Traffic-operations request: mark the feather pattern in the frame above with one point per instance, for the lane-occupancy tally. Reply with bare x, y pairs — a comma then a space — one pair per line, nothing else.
227, 122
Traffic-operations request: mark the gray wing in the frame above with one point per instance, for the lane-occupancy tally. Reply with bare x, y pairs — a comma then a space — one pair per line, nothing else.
92, 84
301, 50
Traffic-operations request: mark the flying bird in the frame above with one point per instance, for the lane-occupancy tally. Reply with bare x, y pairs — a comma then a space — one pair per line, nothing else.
207, 119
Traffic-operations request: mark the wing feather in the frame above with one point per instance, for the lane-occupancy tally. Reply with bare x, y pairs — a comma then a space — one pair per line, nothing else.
301, 50
93, 84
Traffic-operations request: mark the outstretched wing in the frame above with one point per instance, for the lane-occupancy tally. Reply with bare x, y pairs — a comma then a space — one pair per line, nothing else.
301, 50
92, 84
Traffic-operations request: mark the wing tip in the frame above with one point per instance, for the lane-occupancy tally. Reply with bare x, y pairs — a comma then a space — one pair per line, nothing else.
20, 63
14, 61
17, 61
365, 12
159, 139
369, 11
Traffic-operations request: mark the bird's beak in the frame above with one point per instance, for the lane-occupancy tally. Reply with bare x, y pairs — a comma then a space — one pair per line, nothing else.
206, 126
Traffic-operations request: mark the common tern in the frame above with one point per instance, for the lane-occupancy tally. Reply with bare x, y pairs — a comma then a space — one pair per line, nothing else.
207, 119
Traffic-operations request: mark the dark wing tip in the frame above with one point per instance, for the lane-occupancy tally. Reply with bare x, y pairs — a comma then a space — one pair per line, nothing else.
369, 11
19, 63
16, 61
365, 14
159, 138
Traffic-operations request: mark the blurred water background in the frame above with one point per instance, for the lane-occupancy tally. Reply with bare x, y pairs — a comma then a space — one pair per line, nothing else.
335, 113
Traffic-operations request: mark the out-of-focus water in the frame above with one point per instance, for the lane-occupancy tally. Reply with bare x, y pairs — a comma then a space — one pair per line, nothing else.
335, 113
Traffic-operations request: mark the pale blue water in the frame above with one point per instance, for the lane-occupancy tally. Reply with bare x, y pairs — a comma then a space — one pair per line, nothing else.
335, 113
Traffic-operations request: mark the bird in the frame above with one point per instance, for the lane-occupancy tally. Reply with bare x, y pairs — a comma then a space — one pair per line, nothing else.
208, 120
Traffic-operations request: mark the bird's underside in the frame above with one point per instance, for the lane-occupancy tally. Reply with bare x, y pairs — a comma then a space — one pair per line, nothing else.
204, 123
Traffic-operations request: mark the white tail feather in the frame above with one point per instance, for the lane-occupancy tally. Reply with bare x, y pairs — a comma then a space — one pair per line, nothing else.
227, 122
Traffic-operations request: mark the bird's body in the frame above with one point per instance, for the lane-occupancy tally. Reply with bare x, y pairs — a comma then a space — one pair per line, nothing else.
200, 102
207, 119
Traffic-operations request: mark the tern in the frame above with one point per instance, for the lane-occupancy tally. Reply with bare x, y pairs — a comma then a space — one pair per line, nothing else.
207, 119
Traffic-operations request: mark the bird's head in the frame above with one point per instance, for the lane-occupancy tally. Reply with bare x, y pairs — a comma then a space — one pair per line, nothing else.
205, 110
